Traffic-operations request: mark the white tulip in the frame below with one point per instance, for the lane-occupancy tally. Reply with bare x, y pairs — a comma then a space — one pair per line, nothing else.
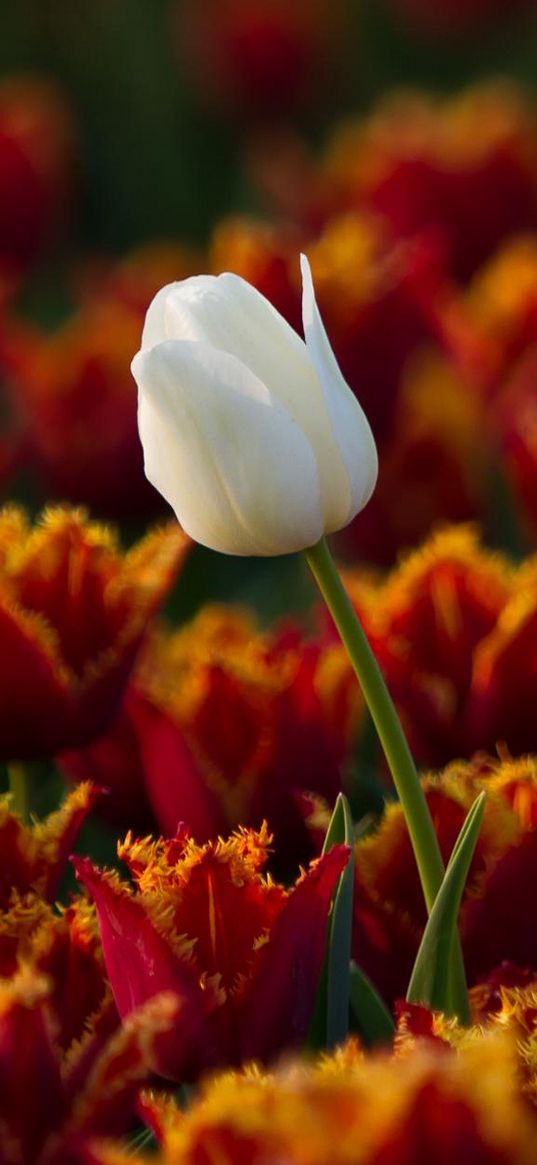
250, 434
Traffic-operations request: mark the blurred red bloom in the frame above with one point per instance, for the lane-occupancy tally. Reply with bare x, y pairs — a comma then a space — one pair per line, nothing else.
37, 148
462, 171
435, 622
79, 401
34, 857
223, 725
242, 954
73, 613
260, 57
426, 1102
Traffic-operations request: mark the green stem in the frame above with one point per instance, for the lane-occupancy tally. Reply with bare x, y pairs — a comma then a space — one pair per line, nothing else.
385, 718
393, 740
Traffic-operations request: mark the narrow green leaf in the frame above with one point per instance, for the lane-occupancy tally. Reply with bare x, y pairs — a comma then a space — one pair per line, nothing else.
324, 1031
338, 830
339, 950
430, 983
374, 1021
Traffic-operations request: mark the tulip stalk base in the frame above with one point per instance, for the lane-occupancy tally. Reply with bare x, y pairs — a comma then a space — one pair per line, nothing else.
392, 738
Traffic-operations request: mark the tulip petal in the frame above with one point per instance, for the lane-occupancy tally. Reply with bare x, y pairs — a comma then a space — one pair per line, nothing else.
350, 426
228, 314
279, 1002
238, 471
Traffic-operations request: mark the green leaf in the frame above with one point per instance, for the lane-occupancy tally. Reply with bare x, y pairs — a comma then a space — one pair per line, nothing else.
339, 950
374, 1021
330, 1021
430, 983
340, 827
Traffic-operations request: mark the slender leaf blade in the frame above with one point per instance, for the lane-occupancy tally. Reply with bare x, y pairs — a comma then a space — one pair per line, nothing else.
340, 831
430, 982
339, 951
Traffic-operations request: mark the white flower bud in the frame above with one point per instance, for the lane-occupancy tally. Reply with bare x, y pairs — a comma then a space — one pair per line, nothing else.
250, 434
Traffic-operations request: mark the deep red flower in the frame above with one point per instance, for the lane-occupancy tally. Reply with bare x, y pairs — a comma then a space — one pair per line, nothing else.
34, 857
242, 954
73, 612
79, 401
461, 171
498, 922
223, 725
37, 148
259, 57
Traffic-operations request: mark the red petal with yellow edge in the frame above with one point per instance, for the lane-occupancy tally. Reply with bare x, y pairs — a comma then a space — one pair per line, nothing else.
67, 950
33, 857
280, 997
107, 1100
228, 911
31, 1101
56, 836
140, 964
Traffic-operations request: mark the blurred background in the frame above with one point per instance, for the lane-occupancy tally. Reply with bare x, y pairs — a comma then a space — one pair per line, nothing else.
394, 140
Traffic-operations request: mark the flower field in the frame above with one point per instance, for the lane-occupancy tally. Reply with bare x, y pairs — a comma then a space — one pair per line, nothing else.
268, 319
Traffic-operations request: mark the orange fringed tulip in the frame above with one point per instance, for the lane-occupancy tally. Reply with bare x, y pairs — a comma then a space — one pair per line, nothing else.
224, 725
462, 171
454, 626
33, 857
498, 922
426, 1103
241, 954
79, 401
73, 612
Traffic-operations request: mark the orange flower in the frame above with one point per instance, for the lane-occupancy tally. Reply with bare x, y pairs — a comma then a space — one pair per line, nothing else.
64, 944
498, 920
242, 954
431, 167
426, 1104
73, 613
428, 621
34, 857
223, 725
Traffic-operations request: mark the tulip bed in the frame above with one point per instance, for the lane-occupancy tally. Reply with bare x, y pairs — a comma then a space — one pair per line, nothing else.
255, 910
